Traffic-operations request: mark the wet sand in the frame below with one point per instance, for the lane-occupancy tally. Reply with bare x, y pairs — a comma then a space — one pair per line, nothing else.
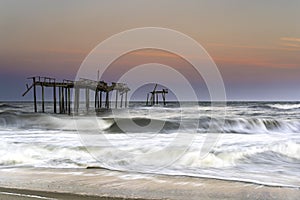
22, 194
29, 183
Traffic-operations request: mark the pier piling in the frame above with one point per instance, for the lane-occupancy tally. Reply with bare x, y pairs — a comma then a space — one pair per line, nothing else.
100, 102
117, 93
54, 97
34, 95
76, 100
69, 101
126, 99
87, 99
43, 98
59, 99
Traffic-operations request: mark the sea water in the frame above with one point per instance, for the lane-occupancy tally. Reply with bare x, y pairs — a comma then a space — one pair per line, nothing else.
257, 142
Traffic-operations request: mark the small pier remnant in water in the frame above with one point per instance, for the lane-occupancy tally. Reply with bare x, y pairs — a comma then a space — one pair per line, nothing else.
154, 96
64, 93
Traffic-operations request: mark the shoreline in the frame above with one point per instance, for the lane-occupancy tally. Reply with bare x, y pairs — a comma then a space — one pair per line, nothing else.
45, 183
24, 194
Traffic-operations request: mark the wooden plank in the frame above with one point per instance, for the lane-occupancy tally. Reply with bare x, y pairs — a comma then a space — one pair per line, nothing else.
28, 89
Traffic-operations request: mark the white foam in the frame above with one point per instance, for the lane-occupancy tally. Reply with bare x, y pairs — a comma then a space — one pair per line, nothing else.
52, 141
290, 149
285, 106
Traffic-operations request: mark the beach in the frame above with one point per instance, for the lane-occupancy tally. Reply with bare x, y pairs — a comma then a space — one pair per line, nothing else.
75, 184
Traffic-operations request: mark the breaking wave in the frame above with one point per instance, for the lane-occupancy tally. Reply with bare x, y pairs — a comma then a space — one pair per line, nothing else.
250, 125
285, 106
260, 141
25, 120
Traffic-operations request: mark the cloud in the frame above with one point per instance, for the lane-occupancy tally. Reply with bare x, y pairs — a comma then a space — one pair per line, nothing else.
291, 42
65, 51
254, 62
290, 39
291, 45
155, 53
253, 47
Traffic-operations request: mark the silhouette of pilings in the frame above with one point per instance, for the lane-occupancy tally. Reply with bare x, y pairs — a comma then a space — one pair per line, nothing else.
154, 96
64, 93
121, 91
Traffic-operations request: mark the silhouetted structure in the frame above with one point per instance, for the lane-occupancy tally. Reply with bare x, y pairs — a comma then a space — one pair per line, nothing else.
154, 96
64, 94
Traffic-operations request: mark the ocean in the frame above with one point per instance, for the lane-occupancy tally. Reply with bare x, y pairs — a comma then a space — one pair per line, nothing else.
256, 142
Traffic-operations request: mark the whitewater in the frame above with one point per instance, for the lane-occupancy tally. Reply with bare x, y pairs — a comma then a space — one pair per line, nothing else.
257, 142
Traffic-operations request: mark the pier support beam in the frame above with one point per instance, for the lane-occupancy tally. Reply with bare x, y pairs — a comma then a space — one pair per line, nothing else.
69, 101
66, 99
54, 98
76, 100
62, 100
100, 102
146, 99
121, 100
59, 100
96, 98
126, 104
117, 93
34, 94
153, 99
107, 100
87, 99
43, 98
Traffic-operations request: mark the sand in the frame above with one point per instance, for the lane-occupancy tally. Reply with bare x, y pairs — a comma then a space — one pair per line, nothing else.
33, 183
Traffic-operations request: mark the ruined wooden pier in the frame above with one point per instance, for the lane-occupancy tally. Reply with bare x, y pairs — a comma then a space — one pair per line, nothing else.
154, 100
100, 89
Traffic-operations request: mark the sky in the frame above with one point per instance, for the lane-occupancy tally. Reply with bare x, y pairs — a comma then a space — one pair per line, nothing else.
255, 44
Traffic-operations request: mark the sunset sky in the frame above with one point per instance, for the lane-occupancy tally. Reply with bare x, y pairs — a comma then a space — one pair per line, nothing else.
255, 43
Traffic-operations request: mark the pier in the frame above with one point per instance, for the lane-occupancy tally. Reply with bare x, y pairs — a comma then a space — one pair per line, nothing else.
100, 88
154, 100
